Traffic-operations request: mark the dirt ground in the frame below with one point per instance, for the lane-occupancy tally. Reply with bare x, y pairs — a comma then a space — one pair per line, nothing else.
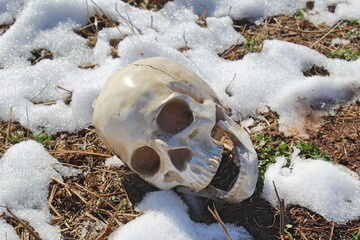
102, 199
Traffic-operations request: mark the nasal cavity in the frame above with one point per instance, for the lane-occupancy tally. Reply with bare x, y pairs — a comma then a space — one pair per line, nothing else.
145, 161
179, 157
174, 116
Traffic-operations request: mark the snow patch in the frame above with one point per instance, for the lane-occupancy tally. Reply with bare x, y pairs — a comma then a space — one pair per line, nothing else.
272, 77
25, 174
330, 190
165, 217
339, 42
113, 161
7, 231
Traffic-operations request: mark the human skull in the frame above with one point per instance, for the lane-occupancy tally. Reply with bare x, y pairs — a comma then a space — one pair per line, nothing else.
169, 127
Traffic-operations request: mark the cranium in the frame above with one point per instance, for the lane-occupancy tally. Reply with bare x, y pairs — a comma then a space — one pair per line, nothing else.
169, 127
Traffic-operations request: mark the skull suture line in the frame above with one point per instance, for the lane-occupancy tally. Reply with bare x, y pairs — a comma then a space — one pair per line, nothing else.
168, 126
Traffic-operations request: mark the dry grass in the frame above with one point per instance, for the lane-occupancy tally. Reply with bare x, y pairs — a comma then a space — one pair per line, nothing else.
297, 30
40, 54
261, 219
4, 27
339, 136
153, 5
95, 24
88, 206
95, 203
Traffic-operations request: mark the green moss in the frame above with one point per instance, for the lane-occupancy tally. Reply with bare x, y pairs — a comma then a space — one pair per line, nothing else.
253, 45
299, 14
349, 54
308, 150
270, 147
43, 138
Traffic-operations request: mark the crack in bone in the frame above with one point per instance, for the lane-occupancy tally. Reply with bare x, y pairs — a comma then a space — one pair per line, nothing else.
157, 69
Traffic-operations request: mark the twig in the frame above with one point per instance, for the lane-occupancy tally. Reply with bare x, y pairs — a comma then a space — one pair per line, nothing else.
68, 164
113, 217
311, 46
265, 120
186, 47
332, 230
302, 234
8, 128
317, 31
77, 193
202, 18
96, 24
28, 124
229, 11
87, 7
104, 170
203, 208
32, 232
92, 217
259, 225
220, 221
96, 195
79, 152
42, 90
282, 212
58, 181
128, 199
237, 44
51, 197
66, 90
277, 26
227, 89
98, 8
68, 98
128, 21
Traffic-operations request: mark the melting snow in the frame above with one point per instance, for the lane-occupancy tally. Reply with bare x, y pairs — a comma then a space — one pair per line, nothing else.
272, 77
25, 173
113, 161
165, 217
331, 190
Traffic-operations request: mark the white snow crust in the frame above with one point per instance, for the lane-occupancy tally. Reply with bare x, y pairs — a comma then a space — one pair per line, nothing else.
7, 231
113, 161
165, 217
331, 190
25, 173
273, 77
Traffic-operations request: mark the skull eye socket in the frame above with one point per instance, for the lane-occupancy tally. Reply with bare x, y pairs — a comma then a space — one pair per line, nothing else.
179, 157
145, 161
175, 116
